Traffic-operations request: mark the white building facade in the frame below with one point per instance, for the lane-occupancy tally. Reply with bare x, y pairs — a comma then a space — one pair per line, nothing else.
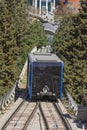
43, 6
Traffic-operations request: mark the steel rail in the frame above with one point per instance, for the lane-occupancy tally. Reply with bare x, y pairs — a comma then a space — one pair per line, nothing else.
53, 112
18, 108
44, 118
52, 116
58, 109
30, 117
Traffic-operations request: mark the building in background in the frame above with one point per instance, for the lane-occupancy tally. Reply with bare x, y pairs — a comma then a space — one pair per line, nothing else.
74, 3
45, 6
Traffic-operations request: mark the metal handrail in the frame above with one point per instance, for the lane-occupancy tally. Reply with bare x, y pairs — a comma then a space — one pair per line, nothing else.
9, 96
72, 104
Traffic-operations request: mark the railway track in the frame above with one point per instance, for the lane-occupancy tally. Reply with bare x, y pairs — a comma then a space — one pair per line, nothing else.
52, 118
36, 116
21, 117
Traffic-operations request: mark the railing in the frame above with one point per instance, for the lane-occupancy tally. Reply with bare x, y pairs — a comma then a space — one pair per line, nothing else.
9, 96
22, 74
72, 104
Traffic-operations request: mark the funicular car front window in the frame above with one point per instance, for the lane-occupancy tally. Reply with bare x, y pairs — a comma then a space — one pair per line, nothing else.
46, 74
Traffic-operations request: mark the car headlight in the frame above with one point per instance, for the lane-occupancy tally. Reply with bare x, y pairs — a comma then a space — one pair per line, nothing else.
53, 94
38, 94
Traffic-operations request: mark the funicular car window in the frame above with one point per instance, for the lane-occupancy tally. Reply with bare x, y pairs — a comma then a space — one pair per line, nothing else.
47, 74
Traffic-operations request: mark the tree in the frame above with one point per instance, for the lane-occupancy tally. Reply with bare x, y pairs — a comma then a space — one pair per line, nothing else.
17, 38
8, 49
13, 31
70, 42
37, 35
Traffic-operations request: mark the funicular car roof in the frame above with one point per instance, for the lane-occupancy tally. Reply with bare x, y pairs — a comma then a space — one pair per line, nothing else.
44, 57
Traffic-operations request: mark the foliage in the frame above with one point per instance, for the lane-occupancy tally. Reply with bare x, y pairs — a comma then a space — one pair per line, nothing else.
37, 35
8, 48
70, 43
17, 38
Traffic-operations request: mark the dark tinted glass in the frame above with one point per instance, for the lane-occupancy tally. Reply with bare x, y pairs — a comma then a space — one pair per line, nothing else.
47, 74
